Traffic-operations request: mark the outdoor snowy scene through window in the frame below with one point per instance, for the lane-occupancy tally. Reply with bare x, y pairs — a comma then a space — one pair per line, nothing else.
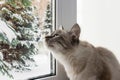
23, 26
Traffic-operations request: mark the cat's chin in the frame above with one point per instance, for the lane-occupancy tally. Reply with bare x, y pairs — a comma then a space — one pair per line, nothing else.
48, 46
51, 48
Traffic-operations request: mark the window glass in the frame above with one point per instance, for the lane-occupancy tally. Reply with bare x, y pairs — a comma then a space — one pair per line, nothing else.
23, 25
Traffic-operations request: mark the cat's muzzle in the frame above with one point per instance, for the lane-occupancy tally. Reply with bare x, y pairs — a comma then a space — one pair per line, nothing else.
48, 41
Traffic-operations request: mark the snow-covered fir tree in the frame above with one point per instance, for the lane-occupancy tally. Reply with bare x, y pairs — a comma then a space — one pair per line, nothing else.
19, 31
48, 19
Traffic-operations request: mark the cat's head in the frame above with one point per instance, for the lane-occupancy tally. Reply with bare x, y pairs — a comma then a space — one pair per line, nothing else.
62, 41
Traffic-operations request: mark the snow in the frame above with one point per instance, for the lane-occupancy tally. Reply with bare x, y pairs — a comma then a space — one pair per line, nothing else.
18, 17
43, 67
4, 29
1, 55
2, 2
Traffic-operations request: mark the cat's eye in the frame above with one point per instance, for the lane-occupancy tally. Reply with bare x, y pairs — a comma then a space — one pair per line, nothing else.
56, 35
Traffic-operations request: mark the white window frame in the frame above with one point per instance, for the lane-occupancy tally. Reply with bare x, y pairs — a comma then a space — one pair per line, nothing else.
65, 15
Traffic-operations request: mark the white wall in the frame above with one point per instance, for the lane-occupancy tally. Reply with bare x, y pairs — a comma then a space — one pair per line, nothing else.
100, 23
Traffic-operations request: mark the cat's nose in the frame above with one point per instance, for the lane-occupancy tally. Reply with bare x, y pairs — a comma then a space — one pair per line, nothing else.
47, 37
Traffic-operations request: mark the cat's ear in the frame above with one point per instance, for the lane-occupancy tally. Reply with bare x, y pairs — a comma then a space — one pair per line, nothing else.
61, 27
76, 31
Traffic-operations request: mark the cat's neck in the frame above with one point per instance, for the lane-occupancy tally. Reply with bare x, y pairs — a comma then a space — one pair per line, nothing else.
83, 49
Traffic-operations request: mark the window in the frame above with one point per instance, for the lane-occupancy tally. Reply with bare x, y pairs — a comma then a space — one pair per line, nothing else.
24, 23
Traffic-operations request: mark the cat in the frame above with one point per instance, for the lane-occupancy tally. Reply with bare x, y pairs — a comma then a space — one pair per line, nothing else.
82, 60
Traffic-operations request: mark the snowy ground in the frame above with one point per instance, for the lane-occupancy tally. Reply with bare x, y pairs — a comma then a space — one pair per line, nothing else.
43, 62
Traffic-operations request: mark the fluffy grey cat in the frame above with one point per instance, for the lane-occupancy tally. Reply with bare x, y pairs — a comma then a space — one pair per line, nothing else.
81, 60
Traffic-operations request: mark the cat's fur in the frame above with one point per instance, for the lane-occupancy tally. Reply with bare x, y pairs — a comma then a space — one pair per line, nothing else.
81, 60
